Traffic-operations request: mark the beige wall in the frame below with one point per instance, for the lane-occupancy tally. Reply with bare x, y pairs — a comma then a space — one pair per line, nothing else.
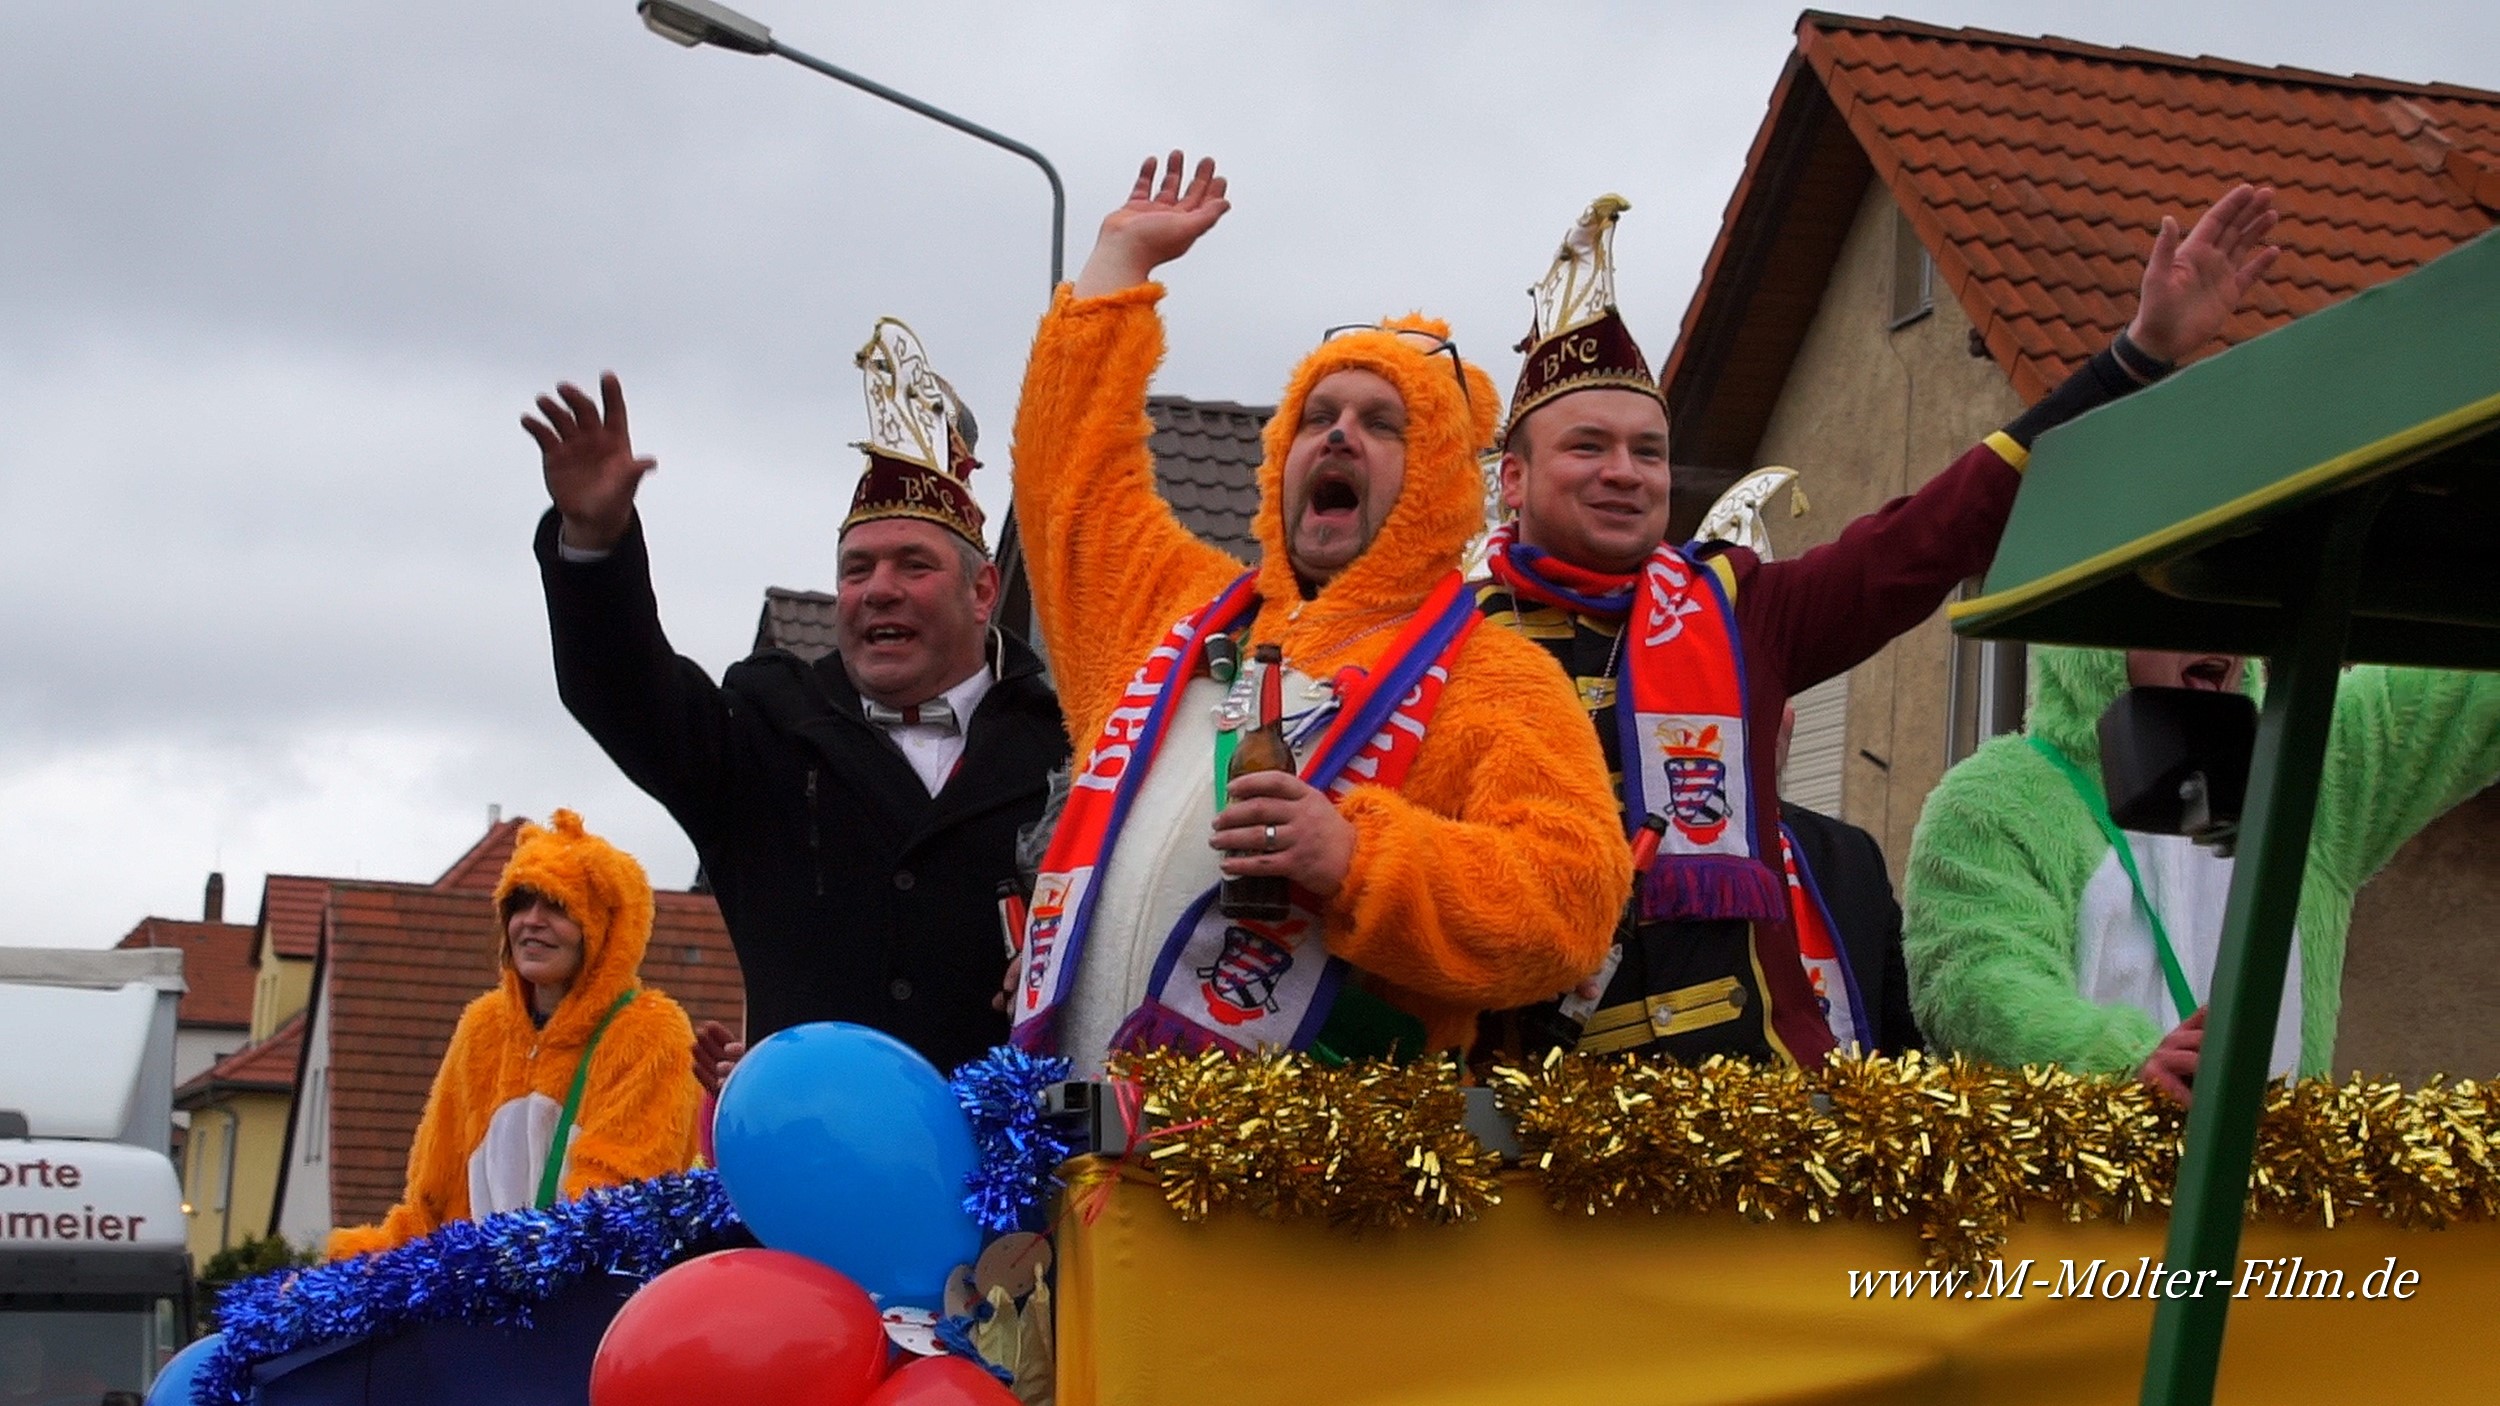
1869, 414
2422, 970
281, 989
258, 1128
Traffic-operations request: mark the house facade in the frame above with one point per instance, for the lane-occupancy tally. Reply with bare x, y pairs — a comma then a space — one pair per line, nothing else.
237, 1109
1936, 226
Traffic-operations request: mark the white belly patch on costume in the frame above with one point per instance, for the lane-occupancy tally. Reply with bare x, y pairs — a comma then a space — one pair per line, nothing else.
1158, 869
505, 1169
2115, 959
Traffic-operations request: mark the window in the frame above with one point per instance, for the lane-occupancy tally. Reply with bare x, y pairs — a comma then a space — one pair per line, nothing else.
1913, 274
316, 1115
1818, 751
1986, 687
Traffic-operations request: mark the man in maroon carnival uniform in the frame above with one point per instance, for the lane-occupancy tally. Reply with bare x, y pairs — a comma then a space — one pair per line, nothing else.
1687, 700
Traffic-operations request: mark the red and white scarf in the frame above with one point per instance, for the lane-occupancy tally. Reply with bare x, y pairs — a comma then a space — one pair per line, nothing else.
1824, 956
1680, 715
1219, 983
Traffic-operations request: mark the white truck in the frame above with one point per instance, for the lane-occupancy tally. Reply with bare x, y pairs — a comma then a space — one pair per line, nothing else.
95, 1283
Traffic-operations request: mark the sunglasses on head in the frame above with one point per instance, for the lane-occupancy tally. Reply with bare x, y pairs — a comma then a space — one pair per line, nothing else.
1430, 344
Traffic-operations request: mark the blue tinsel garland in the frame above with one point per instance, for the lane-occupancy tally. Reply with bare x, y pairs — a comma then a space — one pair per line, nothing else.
495, 1271
501, 1269
954, 1333
1020, 1152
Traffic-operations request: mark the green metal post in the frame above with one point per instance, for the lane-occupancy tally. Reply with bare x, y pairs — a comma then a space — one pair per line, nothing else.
2212, 1197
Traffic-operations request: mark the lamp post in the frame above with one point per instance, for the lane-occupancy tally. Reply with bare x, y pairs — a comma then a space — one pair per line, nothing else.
698, 22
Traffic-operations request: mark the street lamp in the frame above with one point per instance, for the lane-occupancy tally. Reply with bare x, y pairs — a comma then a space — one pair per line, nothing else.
698, 22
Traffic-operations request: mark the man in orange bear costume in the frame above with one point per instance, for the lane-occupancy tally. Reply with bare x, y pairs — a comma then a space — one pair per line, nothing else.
1450, 837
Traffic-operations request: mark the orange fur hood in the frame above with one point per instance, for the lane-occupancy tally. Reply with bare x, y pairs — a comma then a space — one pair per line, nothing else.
1452, 409
606, 894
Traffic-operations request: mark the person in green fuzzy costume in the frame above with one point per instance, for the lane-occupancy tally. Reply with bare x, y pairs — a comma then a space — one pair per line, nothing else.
2024, 933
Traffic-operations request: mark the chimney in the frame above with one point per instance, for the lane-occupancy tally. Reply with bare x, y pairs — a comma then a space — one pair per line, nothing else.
213, 904
494, 816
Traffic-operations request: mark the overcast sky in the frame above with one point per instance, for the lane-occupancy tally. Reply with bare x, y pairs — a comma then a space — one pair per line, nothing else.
276, 281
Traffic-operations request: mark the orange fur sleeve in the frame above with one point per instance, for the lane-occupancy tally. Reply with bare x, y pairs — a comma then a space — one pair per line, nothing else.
1111, 567
456, 1109
638, 1109
1495, 877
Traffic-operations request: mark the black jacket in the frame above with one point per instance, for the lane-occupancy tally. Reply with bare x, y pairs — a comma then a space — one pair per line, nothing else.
1848, 868
850, 892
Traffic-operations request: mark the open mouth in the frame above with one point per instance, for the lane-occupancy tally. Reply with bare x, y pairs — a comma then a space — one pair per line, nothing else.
2211, 673
1334, 495
889, 634
533, 947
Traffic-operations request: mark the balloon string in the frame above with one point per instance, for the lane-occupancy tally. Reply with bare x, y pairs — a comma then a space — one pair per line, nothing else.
1091, 1191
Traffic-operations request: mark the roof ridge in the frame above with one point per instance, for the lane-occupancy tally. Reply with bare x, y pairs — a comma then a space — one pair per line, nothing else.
148, 925
227, 1067
495, 844
2142, 58
1232, 407
798, 594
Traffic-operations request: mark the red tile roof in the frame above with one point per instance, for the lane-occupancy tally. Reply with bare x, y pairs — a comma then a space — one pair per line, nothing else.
482, 866
2035, 172
216, 966
401, 961
290, 908
266, 1067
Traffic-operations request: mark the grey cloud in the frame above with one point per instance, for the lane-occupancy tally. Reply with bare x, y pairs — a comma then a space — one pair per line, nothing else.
277, 280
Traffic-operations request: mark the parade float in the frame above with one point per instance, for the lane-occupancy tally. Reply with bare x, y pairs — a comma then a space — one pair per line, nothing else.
1279, 1229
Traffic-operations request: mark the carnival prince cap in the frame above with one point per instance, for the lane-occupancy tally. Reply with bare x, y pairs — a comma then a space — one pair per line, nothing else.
920, 439
1577, 341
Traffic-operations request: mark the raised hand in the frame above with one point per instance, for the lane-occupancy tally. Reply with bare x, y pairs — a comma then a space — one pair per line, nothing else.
1154, 227
2193, 284
588, 458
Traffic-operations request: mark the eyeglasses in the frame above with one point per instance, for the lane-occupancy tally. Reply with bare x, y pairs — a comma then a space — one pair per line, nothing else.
1425, 342
522, 898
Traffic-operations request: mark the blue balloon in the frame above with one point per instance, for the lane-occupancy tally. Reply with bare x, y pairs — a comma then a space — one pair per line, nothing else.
842, 1144
172, 1386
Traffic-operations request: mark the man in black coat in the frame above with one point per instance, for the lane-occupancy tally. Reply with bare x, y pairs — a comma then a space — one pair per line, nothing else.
856, 815
1848, 866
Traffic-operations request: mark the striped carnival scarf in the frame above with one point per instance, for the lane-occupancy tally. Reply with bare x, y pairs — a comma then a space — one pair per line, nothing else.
1680, 716
1222, 983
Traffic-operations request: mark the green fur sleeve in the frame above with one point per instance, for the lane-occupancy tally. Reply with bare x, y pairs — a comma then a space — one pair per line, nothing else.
1997, 870
2407, 745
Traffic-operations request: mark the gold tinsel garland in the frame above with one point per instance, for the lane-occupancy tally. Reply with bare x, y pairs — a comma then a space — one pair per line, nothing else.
1364, 1145
1961, 1150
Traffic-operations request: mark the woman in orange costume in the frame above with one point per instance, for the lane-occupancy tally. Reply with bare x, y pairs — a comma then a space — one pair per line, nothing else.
1494, 874
576, 916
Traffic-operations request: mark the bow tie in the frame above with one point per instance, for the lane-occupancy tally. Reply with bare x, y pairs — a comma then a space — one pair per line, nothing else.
937, 713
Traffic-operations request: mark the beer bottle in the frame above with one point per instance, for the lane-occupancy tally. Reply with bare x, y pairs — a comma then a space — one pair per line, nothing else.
1263, 748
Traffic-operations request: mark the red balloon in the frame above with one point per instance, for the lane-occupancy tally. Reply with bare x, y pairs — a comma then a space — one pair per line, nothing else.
944, 1380
740, 1327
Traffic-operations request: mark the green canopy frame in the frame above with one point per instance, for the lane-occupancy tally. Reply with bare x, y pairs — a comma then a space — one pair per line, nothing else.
2327, 493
